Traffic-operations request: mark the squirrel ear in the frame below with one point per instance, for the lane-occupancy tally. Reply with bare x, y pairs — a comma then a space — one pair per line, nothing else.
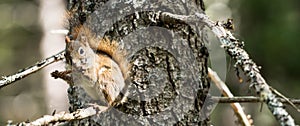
75, 31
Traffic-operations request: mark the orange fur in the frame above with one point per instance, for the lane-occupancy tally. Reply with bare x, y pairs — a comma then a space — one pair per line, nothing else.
106, 46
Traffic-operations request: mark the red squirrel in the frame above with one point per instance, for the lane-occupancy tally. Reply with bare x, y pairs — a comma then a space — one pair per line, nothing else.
101, 64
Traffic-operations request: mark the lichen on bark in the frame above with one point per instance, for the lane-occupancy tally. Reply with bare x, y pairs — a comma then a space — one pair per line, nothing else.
169, 82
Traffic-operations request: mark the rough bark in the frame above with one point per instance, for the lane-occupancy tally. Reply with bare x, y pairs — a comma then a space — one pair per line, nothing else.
169, 80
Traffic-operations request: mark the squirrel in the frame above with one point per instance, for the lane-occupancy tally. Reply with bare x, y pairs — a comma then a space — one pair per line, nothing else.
99, 66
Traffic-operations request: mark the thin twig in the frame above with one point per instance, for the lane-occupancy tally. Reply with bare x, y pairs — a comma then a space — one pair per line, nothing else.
227, 93
6, 80
285, 98
62, 117
250, 99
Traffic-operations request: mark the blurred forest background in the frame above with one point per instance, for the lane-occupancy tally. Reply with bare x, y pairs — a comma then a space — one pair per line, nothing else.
270, 29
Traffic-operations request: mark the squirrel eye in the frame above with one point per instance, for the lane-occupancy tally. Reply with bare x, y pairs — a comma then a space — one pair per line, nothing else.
81, 51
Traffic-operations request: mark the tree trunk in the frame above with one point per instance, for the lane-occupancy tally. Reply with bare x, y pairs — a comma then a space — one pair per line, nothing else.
169, 82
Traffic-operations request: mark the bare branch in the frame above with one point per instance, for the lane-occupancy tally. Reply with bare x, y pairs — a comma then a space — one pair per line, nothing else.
6, 80
285, 98
64, 117
250, 99
235, 50
243, 118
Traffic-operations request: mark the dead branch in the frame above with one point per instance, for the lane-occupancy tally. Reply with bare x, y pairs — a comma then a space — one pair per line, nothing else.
235, 50
6, 80
237, 108
250, 99
63, 117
